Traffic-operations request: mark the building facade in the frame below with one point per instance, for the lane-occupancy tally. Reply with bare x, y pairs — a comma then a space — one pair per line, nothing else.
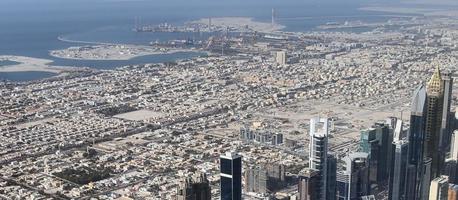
318, 152
231, 176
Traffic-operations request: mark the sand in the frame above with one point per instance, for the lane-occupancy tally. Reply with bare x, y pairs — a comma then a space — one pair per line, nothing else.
28, 64
139, 115
110, 52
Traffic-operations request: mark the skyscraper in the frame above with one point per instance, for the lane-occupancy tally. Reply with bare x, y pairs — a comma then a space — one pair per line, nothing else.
231, 176
318, 151
416, 141
452, 192
342, 186
399, 167
439, 188
276, 176
280, 57
256, 180
434, 102
184, 191
375, 141
331, 177
197, 189
202, 188
451, 163
353, 182
308, 186
446, 117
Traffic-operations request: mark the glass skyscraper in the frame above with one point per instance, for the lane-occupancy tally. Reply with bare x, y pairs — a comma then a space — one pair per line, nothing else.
231, 176
399, 167
416, 140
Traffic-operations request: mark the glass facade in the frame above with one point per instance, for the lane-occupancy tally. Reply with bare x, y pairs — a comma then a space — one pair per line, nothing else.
231, 178
226, 188
226, 166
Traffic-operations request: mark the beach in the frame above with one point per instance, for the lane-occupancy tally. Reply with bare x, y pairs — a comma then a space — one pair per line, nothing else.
28, 64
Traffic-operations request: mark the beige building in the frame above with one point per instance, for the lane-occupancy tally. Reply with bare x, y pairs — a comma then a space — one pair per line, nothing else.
439, 188
281, 58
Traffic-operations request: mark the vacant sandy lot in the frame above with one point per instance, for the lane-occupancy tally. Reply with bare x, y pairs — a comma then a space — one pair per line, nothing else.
139, 115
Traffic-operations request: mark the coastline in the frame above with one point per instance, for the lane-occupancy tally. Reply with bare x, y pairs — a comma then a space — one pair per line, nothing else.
241, 23
28, 64
412, 11
111, 52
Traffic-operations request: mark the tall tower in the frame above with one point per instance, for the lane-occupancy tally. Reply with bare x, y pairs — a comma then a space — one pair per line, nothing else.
202, 188
185, 191
398, 172
256, 180
273, 16
434, 102
375, 141
231, 176
318, 151
416, 143
353, 183
197, 189
451, 163
307, 187
446, 131
439, 189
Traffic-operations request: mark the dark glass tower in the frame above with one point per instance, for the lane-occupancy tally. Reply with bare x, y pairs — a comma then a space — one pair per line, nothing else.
375, 141
416, 141
446, 130
231, 176
331, 177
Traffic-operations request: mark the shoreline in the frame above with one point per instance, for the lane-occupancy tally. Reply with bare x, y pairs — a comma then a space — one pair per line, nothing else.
241, 23
112, 52
411, 11
29, 64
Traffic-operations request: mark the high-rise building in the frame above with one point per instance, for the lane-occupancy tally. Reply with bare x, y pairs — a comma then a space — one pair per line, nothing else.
399, 167
231, 176
331, 177
451, 163
454, 145
353, 182
425, 180
434, 102
281, 57
184, 191
375, 141
318, 151
369, 144
197, 189
342, 186
416, 141
256, 180
308, 186
452, 192
276, 176
446, 130
439, 189
368, 197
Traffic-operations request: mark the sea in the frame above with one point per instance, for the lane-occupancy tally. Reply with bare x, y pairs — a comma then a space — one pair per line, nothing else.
31, 28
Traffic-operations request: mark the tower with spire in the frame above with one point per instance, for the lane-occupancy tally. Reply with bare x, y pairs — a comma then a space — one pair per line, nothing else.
434, 109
